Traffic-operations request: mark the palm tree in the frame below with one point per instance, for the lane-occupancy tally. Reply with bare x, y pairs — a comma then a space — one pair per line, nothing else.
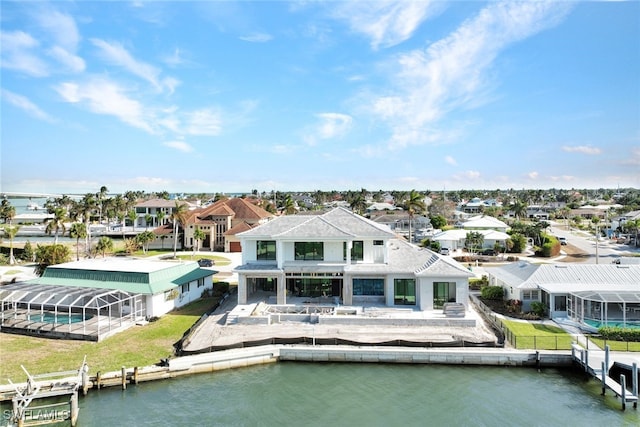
132, 216
147, 220
414, 204
101, 196
358, 204
11, 233
198, 236
55, 224
178, 216
78, 231
519, 209
160, 217
105, 244
289, 206
144, 238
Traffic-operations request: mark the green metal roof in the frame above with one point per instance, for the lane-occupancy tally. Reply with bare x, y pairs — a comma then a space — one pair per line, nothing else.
153, 278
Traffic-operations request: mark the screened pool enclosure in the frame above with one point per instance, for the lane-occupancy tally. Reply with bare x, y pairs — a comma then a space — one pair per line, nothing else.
605, 308
68, 311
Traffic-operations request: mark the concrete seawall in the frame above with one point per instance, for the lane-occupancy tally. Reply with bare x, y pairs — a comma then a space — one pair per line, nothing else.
244, 357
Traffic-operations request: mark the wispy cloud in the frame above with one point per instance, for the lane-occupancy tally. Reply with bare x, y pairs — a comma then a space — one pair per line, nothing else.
386, 23
450, 160
17, 52
179, 145
203, 122
25, 104
63, 36
116, 54
330, 125
584, 149
103, 96
257, 37
453, 72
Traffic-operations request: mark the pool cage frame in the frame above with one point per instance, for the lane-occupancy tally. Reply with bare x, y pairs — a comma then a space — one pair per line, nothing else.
102, 310
611, 308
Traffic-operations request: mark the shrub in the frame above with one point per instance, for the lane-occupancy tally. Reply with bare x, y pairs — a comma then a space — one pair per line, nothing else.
492, 292
538, 308
619, 334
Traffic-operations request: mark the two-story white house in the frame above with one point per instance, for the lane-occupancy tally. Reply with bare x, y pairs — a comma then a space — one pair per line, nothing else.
347, 258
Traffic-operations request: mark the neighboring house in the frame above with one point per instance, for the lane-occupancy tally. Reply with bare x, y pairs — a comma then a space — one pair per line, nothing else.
153, 207
101, 295
347, 258
483, 222
590, 294
477, 205
382, 207
456, 239
220, 222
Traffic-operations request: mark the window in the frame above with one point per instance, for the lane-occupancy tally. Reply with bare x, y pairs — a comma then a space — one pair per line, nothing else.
443, 292
185, 288
378, 243
309, 251
201, 282
404, 291
560, 303
373, 287
530, 295
266, 250
357, 250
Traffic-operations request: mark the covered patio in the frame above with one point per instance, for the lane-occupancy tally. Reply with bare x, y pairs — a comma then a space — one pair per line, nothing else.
67, 311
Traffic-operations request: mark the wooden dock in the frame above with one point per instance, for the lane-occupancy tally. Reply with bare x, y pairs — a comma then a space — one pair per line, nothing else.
598, 363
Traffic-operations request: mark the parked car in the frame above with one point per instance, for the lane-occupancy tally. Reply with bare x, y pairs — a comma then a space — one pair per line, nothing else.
489, 252
444, 251
562, 240
205, 262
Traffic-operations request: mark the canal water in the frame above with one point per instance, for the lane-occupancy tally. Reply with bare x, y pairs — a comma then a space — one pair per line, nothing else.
331, 394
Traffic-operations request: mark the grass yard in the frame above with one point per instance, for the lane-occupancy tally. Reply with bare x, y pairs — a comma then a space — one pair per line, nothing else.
137, 346
616, 345
529, 335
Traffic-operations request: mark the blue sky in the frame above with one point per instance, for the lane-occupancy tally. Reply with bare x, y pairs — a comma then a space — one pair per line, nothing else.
318, 95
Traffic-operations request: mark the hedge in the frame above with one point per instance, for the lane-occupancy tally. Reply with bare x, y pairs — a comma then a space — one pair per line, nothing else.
615, 333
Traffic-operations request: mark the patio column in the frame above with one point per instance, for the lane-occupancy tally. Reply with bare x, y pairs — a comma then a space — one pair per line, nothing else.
282, 290
242, 289
347, 290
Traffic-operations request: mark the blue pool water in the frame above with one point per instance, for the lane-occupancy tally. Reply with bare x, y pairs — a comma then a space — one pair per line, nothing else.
60, 319
612, 324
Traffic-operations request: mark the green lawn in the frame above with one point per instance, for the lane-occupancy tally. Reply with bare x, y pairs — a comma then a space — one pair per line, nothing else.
137, 346
529, 335
616, 345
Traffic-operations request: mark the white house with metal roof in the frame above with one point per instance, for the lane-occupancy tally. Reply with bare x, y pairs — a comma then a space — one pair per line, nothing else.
348, 259
91, 299
590, 294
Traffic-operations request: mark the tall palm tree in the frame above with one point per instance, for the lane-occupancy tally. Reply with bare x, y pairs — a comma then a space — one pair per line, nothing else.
198, 236
78, 231
160, 216
55, 224
147, 220
358, 203
178, 216
11, 232
289, 206
415, 205
101, 196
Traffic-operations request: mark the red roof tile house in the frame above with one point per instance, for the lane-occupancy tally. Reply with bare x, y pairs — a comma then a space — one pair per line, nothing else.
221, 221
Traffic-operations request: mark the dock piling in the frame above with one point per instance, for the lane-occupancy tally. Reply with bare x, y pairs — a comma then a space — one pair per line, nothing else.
124, 378
634, 383
623, 390
604, 379
135, 375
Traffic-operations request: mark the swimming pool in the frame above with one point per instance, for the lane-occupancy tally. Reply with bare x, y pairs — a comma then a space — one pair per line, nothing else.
63, 319
612, 324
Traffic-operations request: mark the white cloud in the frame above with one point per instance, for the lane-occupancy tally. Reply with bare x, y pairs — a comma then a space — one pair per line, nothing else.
179, 145
25, 104
257, 38
533, 175
103, 96
386, 23
452, 73
333, 124
584, 149
17, 54
72, 62
450, 160
116, 54
203, 122
61, 28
